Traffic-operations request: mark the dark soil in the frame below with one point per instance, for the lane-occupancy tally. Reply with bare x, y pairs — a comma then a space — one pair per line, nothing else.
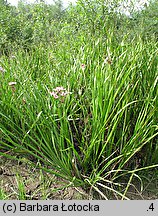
37, 184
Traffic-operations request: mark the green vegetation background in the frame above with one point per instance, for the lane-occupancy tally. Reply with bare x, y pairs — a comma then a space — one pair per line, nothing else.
100, 130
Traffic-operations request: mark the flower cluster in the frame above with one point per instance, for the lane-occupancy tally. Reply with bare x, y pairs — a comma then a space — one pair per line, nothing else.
83, 66
108, 60
12, 85
2, 69
13, 56
59, 91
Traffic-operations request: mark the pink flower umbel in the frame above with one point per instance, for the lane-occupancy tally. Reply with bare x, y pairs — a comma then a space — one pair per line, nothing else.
2, 69
108, 60
83, 66
64, 93
12, 85
54, 94
59, 89
13, 57
59, 92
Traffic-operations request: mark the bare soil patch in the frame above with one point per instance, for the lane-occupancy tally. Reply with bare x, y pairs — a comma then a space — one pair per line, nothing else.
38, 184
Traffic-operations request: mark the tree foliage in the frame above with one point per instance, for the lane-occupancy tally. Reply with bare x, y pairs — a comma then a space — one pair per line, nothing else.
29, 25
147, 20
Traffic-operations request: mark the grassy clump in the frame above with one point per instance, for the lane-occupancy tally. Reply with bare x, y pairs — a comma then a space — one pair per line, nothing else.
100, 128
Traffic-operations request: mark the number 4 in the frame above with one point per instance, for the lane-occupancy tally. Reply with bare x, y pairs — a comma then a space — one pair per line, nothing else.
151, 207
